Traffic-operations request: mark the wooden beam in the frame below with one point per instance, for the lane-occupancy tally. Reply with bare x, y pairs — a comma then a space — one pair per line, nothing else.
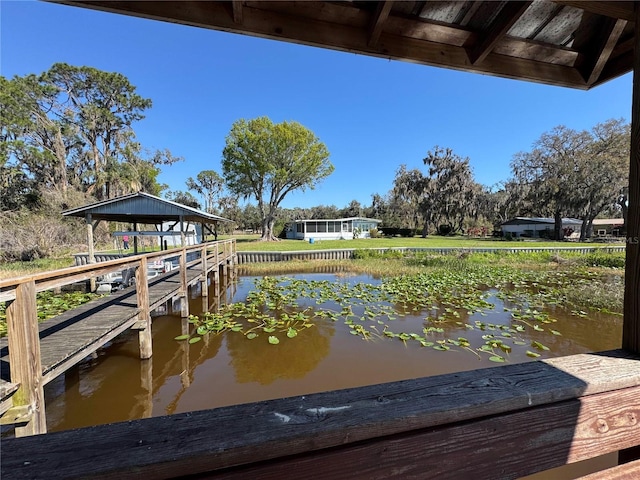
556, 411
470, 13
509, 15
184, 285
545, 437
236, 6
631, 323
261, 21
622, 10
205, 272
377, 21
7, 389
607, 42
24, 358
144, 313
18, 414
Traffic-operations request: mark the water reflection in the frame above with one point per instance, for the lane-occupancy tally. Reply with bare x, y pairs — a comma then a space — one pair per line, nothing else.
258, 361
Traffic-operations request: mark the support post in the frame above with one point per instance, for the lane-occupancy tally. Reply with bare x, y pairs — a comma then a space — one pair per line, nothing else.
24, 358
184, 375
184, 304
146, 382
144, 315
92, 255
216, 272
631, 322
205, 273
91, 250
135, 238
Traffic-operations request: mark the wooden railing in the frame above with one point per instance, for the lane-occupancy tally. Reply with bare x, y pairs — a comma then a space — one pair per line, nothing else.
66, 276
27, 401
501, 422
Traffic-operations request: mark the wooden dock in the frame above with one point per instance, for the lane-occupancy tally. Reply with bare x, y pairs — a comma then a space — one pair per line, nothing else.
34, 354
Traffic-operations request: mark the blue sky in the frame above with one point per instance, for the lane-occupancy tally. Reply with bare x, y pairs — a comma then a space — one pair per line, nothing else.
372, 114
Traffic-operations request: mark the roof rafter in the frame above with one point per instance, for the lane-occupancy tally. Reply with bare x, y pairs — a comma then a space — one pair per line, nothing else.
236, 6
608, 41
475, 6
377, 22
393, 31
509, 15
623, 10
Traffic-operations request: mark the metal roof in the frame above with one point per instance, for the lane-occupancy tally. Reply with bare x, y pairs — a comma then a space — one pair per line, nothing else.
608, 221
577, 44
539, 220
143, 208
336, 220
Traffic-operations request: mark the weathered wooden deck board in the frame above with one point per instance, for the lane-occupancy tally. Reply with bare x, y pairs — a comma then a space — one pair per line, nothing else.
85, 329
6, 390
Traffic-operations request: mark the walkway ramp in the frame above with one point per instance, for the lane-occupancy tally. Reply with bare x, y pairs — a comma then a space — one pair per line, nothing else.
70, 337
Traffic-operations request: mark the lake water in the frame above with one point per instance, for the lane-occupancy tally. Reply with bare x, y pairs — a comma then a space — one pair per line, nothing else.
228, 369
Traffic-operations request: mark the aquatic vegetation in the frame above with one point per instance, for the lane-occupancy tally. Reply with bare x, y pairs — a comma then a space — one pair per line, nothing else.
451, 293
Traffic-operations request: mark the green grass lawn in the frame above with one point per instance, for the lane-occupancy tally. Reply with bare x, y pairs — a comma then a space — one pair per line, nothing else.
252, 243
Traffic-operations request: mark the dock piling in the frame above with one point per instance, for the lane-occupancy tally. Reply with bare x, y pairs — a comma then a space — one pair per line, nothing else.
25, 360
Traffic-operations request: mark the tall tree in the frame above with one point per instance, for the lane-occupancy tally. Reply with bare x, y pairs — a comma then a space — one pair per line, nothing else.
501, 202
73, 127
408, 196
101, 108
548, 173
267, 161
451, 189
323, 211
34, 138
354, 209
210, 185
185, 198
598, 188
379, 209
563, 174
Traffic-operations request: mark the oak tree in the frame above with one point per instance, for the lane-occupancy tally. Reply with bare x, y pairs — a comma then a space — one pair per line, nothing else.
267, 161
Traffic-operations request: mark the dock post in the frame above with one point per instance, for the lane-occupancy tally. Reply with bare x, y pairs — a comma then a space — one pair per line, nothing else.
205, 272
24, 358
216, 273
184, 294
216, 282
144, 315
185, 381
146, 383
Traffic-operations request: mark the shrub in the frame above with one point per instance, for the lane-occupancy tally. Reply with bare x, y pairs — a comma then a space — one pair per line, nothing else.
444, 229
604, 259
361, 254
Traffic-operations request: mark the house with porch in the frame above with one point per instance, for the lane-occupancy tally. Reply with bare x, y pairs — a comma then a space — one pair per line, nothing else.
332, 229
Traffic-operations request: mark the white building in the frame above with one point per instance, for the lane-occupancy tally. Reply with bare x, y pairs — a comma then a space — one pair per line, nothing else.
332, 229
536, 227
192, 232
